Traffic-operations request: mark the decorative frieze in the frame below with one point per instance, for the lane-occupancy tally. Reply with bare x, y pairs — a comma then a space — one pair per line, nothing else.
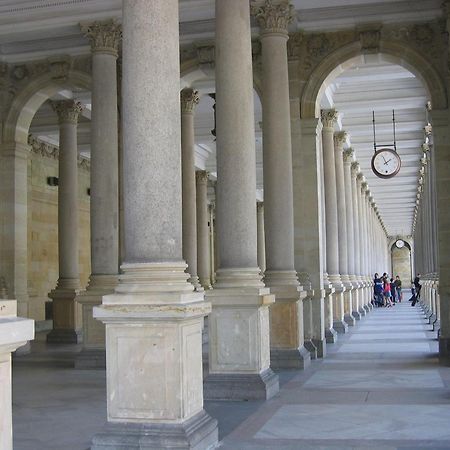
189, 98
273, 16
104, 36
370, 39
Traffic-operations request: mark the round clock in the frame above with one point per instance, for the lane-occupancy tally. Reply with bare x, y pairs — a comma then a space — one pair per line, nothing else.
386, 163
399, 243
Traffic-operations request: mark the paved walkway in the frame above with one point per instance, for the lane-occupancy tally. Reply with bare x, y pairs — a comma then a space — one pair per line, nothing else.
379, 388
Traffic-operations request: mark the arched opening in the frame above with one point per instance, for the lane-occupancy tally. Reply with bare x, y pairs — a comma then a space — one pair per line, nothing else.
402, 262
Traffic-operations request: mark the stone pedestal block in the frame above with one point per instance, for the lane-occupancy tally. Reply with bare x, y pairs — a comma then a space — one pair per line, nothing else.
444, 351
14, 332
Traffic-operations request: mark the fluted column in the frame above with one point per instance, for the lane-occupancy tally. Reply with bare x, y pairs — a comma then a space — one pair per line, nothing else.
329, 118
203, 251
365, 249
343, 315
189, 98
212, 241
348, 156
104, 184
154, 319
286, 330
261, 237
239, 348
66, 320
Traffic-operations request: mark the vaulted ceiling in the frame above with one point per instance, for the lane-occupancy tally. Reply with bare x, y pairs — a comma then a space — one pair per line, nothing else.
34, 29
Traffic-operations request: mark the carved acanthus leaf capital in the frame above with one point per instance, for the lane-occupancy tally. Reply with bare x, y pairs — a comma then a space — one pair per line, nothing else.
201, 176
260, 206
105, 36
273, 16
189, 98
340, 138
355, 168
67, 110
329, 117
348, 155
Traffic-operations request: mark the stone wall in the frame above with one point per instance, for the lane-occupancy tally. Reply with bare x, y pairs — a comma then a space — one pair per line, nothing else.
401, 265
43, 227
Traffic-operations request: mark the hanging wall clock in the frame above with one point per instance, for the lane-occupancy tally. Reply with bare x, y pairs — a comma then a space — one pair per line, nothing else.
386, 162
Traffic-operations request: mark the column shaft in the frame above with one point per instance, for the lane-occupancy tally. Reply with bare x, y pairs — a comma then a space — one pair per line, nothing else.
203, 250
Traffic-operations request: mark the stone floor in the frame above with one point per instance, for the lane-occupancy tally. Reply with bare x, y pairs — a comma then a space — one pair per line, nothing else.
380, 387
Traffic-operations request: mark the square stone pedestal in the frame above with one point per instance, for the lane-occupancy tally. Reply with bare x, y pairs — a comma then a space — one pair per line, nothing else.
330, 332
239, 349
444, 351
14, 332
66, 317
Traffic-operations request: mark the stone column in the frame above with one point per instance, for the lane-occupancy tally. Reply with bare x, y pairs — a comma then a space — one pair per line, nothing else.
356, 188
105, 39
344, 316
189, 98
239, 350
348, 156
66, 320
154, 319
203, 258
329, 118
14, 333
261, 237
365, 234
212, 241
286, 330
308, 240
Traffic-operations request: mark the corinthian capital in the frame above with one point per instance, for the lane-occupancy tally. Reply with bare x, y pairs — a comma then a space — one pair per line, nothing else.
189, 98
355, 167
273, 16
104, 36
340, 138
67, 110
201, 176
348, 155
329, 117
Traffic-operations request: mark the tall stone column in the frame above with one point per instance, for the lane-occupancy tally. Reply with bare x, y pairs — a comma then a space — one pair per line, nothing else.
364, 237
356, 187
286, 329
329, 118
154, 319
343, 316
239, 349
212, 241
189, 98
66, 320
261, 237
203, 251
105, 39
348, 156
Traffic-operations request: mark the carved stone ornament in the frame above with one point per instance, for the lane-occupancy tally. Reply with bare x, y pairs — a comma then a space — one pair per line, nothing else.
370, 40
189, 98
318, 45
67, 110
201, 176
329, 117
425, 147
206, 54
104, 36
294, 45
428, 129
273, 17
355, 167
259, 206
348, 155
340, 138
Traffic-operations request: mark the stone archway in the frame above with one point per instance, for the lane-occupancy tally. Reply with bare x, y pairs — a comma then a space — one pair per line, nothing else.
402, 263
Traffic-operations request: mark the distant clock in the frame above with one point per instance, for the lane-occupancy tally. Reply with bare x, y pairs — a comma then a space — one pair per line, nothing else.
399, 243
386, 163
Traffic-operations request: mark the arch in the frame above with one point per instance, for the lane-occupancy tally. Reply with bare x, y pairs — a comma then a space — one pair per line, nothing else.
32, 96
348, 55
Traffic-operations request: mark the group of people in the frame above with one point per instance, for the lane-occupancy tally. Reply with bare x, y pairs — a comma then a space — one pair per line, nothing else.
386, 291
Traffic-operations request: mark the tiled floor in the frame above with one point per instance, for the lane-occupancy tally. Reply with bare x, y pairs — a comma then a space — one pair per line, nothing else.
380, 387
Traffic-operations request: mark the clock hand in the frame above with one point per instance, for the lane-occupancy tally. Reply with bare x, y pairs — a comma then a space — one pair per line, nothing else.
385, 162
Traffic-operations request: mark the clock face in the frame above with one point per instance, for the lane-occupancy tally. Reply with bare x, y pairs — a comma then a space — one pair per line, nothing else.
386, 163
399, 243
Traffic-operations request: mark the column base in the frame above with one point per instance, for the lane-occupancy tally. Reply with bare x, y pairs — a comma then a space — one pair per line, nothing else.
312, 349
91, 359
321, 346
330, 335
198, 433
362, 311
64, 337
349, 320
241, 386
290, 358
196, 283
437, 325
340, 326
367, 308
432, 319
444, 351
356, 315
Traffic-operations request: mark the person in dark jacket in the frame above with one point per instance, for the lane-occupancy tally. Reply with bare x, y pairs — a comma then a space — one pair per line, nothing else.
378, 290
417, 286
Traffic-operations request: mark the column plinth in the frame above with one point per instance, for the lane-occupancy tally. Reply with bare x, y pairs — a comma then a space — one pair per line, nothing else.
105, 39
239, 348
286, 315
66, 313
154, 318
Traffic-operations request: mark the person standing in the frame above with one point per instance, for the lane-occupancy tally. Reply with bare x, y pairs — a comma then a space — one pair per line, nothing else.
398, 288
417, 286
378, 290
